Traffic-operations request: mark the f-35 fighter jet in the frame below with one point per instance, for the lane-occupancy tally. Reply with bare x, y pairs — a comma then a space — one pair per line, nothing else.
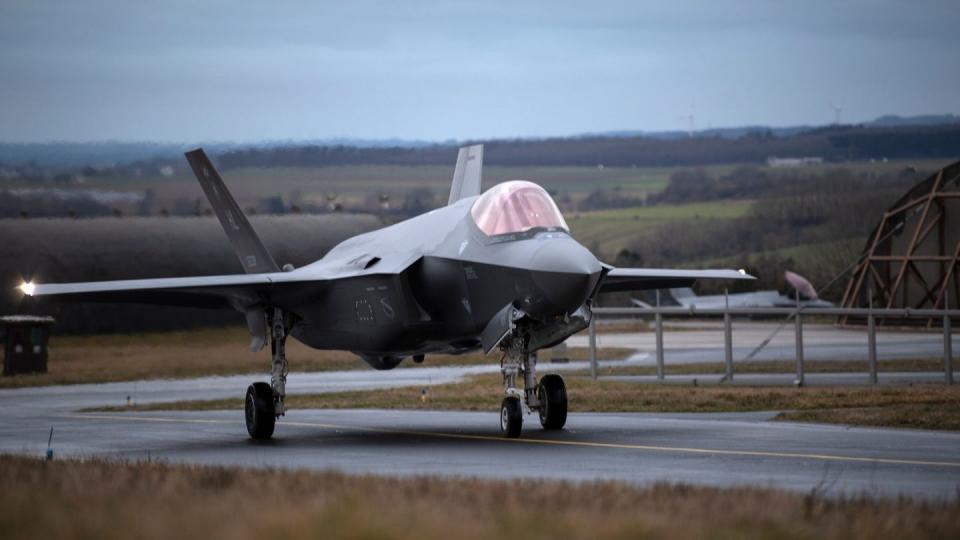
491, 270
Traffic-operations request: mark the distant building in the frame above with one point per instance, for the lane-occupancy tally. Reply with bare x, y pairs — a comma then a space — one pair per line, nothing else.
774, 161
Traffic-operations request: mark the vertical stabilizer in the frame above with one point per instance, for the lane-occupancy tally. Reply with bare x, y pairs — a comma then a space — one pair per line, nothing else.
253, 255
467, 174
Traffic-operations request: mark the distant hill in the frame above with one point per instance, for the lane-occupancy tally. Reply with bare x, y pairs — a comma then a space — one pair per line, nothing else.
891, 120
834, 143
337, 150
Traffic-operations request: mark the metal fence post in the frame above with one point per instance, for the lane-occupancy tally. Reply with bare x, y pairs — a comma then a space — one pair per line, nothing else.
727, 338
799, 337
871, 340
659, 329
593, 347
947, 342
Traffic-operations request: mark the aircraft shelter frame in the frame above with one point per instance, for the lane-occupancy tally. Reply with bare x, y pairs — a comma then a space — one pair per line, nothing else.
911, 258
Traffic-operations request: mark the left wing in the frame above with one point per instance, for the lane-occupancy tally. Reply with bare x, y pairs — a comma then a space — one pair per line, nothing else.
639, 279
238, 291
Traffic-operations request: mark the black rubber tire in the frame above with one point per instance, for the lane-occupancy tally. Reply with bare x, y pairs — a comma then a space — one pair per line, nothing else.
259, 411
552, 394
511, 417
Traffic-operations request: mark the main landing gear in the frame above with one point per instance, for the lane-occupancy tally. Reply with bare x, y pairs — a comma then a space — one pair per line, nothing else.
264, 402
548, 398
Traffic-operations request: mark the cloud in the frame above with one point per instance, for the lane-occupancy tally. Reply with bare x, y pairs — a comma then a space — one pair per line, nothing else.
182, 70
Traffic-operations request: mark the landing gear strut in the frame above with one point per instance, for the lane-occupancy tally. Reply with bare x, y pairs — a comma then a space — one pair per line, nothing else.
265, 402
548, 398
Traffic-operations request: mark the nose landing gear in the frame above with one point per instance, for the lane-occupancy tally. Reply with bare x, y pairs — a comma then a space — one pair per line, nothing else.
548, 398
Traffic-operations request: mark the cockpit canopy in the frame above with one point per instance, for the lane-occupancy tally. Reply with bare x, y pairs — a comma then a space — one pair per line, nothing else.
515, 207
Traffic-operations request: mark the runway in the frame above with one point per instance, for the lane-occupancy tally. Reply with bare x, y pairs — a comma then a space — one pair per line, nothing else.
712, 449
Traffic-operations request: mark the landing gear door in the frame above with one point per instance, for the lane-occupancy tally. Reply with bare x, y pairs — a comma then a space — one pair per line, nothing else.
499, 327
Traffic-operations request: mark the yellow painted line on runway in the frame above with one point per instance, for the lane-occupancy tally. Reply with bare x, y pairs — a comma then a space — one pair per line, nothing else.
549, 442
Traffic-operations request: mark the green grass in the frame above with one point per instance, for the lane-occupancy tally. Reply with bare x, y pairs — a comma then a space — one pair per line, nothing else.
609, 231
803, 252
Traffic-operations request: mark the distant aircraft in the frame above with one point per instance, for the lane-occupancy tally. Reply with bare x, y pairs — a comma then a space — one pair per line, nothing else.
685, 297
492, 271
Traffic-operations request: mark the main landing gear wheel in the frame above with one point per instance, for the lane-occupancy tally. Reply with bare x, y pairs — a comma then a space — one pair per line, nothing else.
511, 417
552, 395
259, 411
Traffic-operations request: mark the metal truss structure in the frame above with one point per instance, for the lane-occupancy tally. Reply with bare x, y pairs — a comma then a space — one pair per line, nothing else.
911, 257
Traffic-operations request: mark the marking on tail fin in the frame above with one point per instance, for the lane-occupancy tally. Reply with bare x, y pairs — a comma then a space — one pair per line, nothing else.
467, 174
250, 250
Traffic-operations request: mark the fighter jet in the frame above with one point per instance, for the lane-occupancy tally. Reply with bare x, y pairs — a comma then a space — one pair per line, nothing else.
496, 270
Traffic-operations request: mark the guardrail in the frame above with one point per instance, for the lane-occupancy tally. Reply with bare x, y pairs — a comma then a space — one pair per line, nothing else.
797, 314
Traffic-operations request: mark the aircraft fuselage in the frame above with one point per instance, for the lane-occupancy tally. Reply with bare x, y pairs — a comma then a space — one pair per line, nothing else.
452, 282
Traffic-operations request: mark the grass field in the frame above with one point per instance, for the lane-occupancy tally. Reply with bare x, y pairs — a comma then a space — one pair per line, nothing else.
96, 499
357, 188
609, 231
196, 353
354, 184
889, 406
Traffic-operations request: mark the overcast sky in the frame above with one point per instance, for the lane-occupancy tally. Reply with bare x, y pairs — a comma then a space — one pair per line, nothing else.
191, 71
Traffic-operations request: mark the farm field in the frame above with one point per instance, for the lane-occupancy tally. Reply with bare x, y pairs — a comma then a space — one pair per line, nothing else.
608, 231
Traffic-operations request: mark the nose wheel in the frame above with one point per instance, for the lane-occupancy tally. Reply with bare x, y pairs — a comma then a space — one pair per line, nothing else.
548, 396
511, 417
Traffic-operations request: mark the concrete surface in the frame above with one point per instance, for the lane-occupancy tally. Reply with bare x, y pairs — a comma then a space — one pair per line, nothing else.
713, 449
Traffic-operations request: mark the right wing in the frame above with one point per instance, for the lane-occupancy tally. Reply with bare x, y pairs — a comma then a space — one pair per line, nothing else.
641, 279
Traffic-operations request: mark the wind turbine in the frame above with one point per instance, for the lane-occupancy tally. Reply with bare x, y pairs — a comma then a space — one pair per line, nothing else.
689, 117
837, 109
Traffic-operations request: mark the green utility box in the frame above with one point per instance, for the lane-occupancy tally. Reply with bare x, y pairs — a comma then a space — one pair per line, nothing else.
25, 343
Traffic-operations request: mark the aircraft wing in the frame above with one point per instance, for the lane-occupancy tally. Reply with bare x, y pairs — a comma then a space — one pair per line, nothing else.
237, 291
639, 279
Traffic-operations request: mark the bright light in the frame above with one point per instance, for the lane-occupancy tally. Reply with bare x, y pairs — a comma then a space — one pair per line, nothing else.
742, 272
28, 288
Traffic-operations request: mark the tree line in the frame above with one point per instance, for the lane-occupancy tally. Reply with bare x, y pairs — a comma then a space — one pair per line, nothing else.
837, 143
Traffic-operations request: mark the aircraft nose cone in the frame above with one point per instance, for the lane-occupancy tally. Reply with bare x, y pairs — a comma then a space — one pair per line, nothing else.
566, 273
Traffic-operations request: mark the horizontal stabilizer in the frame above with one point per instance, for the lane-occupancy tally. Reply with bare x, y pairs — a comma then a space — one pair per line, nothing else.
467, 174
641, 279
252, 253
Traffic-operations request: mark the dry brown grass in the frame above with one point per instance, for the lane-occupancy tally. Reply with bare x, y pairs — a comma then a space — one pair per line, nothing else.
482, 393
768, 366
196, 353
935, 415
95, 499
